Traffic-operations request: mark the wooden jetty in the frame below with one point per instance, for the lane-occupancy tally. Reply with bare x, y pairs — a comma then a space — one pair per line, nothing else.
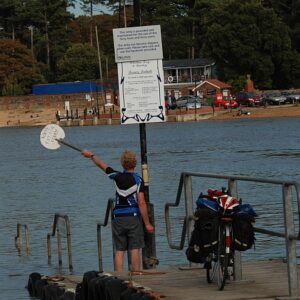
266, 279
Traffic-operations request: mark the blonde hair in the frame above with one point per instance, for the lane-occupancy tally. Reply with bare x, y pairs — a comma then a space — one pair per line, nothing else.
128, 160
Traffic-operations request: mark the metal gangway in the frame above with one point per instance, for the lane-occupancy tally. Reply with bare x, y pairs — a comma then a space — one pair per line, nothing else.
185, 186
62, 228
108, 213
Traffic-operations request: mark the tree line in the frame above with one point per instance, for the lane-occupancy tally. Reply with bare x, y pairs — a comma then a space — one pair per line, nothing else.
41, 41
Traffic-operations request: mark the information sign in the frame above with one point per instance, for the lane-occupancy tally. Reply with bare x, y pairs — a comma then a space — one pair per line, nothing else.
137, 43
141, 91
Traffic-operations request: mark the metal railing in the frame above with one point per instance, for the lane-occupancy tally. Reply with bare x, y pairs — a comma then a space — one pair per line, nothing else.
56, 229
19, 238
109, 208
289, 234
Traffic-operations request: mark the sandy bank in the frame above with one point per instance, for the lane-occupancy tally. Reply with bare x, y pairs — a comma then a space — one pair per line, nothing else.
45, 116
260, 112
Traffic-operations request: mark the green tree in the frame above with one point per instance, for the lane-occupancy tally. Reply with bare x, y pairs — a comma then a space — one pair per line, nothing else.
238, 83
51, 19
8, 18
105, 24
175, 26
261, 38
49, 23
259, 47
88, 7
11, 88
289, 12
19, 71
79, 63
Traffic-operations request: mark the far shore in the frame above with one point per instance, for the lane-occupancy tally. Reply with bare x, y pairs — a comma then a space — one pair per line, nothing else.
273, 111
46, 116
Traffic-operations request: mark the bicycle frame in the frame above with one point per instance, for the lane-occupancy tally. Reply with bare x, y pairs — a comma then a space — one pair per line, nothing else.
218, 264
228, 233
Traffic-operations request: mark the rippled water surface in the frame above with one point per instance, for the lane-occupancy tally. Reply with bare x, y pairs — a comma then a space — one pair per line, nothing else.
36, 183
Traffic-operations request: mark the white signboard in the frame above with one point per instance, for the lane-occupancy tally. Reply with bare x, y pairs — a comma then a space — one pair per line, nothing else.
137, 43
141, 92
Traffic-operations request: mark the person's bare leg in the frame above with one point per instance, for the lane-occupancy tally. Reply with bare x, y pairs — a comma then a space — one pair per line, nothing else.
118, 261
135, 260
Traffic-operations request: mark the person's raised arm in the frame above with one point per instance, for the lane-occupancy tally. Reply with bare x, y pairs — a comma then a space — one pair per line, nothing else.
86, 153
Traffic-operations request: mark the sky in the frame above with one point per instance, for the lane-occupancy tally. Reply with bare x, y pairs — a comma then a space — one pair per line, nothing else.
77, 11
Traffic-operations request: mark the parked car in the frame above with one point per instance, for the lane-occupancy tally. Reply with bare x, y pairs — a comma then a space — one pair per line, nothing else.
226, 102
230, 104
193, 103
248, 98
292, 97
182, 102
273, 98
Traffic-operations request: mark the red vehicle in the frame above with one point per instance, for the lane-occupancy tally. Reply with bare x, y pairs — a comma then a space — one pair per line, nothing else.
225, 101
248, 98
229, 103
218, 100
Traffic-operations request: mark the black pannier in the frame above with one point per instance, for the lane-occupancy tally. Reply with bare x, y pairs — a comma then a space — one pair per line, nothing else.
204, 237
243, 231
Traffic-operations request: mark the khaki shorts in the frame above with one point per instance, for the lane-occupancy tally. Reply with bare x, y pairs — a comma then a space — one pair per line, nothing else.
128, 233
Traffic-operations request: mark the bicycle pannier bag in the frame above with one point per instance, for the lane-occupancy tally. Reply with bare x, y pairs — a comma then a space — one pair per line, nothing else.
193, 252
243, 231
204, 237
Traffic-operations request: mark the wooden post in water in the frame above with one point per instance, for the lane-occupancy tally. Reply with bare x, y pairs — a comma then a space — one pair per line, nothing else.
69, 243
19, 238
59, 247
49, 248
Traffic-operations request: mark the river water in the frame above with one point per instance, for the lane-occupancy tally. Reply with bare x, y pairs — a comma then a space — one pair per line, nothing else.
36, 183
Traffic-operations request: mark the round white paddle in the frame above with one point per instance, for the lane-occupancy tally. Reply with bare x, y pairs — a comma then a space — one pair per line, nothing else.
52, 136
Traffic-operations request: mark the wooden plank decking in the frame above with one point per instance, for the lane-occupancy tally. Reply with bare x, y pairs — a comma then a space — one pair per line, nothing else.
261, 280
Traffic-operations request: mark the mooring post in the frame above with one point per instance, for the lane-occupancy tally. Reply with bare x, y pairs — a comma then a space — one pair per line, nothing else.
49, 247
19, 238
69, 242
99, 244
59, 247
27, 239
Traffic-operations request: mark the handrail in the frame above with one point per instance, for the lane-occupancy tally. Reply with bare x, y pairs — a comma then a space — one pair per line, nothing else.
167, 219
19, 240
55, 229
297, 187
109, 209
289, 234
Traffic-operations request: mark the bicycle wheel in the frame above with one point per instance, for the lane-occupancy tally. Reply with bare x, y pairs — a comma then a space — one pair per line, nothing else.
211, 266
222, 259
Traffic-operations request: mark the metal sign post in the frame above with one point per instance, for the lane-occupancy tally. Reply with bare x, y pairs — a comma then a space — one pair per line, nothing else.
150, 246
138, 53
